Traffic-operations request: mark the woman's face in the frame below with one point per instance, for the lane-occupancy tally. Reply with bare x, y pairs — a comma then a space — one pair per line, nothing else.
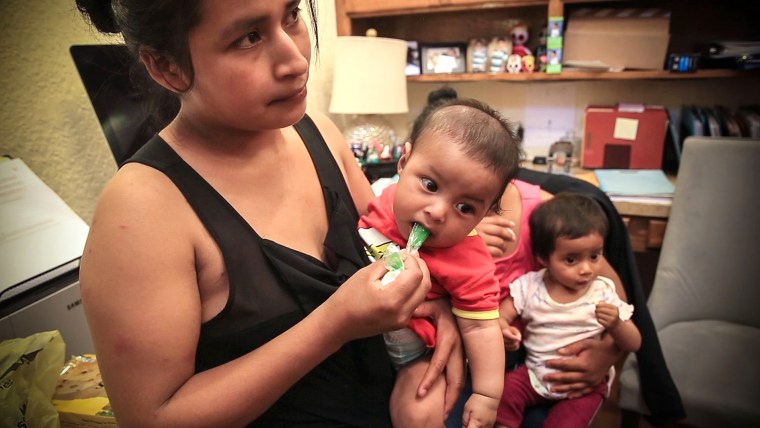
251, 63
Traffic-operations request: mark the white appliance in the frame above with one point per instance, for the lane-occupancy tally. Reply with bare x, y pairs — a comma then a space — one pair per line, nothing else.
54, 305
41, 242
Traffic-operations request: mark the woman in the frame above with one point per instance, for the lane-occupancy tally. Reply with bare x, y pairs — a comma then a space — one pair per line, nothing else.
223, 280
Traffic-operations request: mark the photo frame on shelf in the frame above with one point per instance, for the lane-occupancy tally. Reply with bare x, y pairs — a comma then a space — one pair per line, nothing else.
443, 58
413, 67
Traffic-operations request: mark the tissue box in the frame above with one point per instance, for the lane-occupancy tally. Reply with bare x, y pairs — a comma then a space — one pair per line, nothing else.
624, 137
80, 397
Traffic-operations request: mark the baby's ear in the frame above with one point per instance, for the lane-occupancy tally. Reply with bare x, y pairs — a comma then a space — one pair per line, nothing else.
542, 261
404, 157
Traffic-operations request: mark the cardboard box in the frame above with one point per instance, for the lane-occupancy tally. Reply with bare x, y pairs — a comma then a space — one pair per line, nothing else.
624, 137
617, 38
80, 397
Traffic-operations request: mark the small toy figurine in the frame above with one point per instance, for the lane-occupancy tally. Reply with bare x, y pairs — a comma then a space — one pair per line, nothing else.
528, 63
519, 34
514, 63
541, 53
478, 54
498, 52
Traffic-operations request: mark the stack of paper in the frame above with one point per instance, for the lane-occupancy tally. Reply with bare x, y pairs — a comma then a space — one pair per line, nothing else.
651, 185
40, 236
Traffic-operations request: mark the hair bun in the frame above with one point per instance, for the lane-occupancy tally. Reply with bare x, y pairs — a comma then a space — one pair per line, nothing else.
441, 95
100, 14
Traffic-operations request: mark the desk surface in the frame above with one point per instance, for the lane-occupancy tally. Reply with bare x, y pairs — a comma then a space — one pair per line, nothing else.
635, 208
645, 219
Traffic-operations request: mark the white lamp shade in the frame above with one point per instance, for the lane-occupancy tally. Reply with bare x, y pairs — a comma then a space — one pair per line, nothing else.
369, 76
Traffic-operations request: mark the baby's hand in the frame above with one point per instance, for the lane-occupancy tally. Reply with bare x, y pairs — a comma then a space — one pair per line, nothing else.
479, 411
512, 336
608, 315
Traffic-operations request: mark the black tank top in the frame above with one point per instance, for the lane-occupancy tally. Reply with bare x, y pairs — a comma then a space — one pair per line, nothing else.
273, 287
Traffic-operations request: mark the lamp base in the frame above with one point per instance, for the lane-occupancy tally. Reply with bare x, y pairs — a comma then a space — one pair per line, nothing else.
371, 138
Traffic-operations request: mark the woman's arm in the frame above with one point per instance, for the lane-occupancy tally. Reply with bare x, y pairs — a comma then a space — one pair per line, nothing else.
606, 270
357, 182
140, 288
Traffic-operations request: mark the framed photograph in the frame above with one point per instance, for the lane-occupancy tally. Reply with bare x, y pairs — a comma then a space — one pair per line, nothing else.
443, 58
556, 26
412, 58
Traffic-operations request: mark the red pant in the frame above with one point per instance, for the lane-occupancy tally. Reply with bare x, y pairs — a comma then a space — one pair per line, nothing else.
568, 413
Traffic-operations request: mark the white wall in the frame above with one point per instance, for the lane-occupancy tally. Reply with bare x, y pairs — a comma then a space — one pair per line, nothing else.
536, 102
45, 117
47, 120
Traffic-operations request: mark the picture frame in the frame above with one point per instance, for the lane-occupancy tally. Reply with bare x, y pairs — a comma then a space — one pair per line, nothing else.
443, 58
413, 67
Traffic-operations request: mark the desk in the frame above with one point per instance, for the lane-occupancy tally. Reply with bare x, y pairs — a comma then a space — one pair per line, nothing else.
646, 221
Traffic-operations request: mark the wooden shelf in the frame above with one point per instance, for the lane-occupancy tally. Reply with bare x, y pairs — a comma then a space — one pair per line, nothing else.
581, 75
434, 21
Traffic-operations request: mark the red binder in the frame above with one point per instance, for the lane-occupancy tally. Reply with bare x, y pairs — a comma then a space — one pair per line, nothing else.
624, 137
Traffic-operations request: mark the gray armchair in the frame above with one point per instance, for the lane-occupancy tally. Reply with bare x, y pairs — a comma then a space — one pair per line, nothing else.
705, 302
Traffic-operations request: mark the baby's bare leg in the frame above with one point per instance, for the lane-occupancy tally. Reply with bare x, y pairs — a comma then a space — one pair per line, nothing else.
409, 410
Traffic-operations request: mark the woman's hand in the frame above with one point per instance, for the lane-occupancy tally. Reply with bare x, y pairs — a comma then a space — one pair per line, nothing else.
585, 365
497, 233
448, 355
365, 307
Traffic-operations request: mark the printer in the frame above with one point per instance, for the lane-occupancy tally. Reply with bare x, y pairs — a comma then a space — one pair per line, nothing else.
41, 242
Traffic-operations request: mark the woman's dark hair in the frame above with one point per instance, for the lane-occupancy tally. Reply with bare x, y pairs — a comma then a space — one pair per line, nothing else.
482, 133
159, 25
566, 215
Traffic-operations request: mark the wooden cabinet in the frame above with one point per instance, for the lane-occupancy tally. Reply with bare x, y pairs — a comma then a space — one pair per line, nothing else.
432, 21
439, 21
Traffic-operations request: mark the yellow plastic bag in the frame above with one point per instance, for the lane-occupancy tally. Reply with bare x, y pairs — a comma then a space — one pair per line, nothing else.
29, 370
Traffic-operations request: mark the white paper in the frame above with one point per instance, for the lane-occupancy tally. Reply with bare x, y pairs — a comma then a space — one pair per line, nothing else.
549, 116
626, 129
38, 231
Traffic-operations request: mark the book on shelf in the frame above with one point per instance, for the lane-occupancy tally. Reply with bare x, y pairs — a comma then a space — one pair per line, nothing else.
636, 185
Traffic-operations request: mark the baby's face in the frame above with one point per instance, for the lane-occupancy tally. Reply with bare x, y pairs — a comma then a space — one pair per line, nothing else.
444, 190
575, 263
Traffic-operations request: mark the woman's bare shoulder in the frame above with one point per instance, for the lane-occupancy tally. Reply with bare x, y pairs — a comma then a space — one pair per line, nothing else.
357, 182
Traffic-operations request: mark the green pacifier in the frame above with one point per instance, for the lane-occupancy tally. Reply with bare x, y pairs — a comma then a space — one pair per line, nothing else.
417, 236
394, 260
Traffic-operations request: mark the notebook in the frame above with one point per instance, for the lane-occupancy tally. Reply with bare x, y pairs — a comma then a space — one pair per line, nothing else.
634, 182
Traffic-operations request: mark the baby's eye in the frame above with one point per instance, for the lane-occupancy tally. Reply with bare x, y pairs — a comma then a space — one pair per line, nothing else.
429, 185
249, 40
465, 209
595, 256
570, 260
